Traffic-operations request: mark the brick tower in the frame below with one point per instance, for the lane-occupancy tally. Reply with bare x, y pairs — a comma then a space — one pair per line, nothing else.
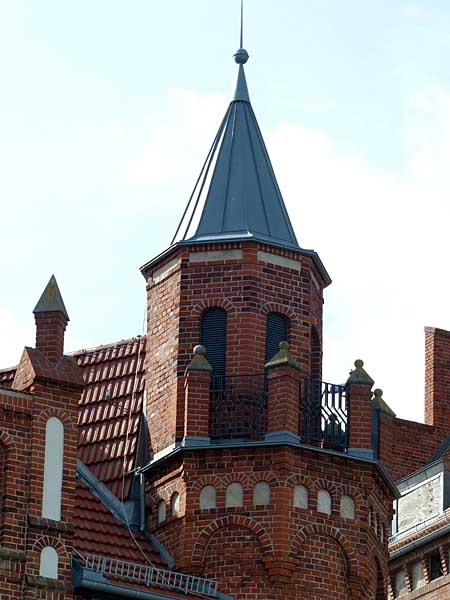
262, 476
38, 450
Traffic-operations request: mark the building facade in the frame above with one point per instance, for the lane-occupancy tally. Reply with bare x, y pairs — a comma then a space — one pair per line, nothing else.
208, 459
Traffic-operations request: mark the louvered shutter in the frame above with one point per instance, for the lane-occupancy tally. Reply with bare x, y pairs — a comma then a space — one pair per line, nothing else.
277, 330
213, 336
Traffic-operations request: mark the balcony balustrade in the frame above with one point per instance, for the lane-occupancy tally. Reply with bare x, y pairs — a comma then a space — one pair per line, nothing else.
238, 409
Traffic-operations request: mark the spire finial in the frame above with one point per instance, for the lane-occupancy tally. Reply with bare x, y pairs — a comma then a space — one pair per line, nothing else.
242, 24
241, 56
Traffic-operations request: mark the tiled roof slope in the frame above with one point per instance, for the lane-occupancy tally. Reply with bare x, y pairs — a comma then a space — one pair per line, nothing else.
110, 413
111, 410
7, 377
98, 532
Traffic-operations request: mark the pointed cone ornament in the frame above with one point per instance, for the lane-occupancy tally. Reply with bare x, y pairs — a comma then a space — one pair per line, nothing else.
51, 300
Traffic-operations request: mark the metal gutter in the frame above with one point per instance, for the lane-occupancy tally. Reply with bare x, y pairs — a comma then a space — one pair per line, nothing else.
266, 443
117, 591
85, 579
420, 542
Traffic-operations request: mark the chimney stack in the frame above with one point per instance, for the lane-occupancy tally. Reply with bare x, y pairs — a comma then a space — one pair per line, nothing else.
437, 378
51, 322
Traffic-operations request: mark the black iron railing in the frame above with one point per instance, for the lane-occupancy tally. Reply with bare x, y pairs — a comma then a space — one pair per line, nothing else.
238, 406
323, 414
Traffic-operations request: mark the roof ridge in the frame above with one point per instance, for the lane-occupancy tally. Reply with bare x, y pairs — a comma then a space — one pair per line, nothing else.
110, 346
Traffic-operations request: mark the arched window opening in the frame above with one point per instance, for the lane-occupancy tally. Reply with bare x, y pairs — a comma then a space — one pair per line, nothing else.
53, 469
208, 497
234, 496
175, 504
324, 502
213, 335
347, 509
300, 496
161, 512
277, 330
261, 494
48, 566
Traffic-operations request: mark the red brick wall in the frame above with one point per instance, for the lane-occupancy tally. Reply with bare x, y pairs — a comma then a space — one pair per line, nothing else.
281, 541
247, 288
437, 378
23, 531
162, 359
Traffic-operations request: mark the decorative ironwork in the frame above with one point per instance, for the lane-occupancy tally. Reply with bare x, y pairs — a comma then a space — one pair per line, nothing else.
148, 574
238, 406
323, 414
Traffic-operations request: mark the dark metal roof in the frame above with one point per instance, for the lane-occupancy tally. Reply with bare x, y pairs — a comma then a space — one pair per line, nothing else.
237, 191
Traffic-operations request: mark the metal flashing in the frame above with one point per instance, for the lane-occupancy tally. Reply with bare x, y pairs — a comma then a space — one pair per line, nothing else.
99, 489
241, 443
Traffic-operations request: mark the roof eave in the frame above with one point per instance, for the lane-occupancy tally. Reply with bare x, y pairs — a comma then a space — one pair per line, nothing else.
234, 239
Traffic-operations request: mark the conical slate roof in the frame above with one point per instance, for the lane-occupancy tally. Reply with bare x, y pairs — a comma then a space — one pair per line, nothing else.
237, 191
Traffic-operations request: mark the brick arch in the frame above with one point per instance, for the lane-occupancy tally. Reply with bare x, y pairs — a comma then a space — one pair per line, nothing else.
287, 311
382, 575
340, 489
201, 544
202, 482
242, 478
224, 303
309, 483
41, 542
268, 477
9, 446
68, 421
45, 540
331, 532
166, 493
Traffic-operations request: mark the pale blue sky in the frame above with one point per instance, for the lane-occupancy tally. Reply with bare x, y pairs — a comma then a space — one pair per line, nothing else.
107, 110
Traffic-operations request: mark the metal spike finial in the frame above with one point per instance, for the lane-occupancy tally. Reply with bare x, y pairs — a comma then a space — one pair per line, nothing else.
242, 24
241, 56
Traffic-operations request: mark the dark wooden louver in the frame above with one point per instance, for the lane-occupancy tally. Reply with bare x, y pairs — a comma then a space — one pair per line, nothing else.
213, 335
277, 330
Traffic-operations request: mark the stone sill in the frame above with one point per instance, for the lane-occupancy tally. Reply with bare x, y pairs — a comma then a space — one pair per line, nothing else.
43, 523
9, 554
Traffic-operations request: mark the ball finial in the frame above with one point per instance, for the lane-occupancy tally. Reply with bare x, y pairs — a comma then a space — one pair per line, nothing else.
359, 364
241, 56
200, 350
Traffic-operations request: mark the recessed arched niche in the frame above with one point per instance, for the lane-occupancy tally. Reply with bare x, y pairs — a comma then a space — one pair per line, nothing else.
324, 502
207, 498
234, 496
53, 469
48, 564
301, 499
161, 511
261, 494
347, 507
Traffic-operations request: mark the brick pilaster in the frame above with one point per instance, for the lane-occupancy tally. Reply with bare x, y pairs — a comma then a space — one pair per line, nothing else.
283, 396
197, 381
359, 389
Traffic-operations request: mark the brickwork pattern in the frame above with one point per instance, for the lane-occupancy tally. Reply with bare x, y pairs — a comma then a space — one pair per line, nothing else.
247, 289
257, 552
